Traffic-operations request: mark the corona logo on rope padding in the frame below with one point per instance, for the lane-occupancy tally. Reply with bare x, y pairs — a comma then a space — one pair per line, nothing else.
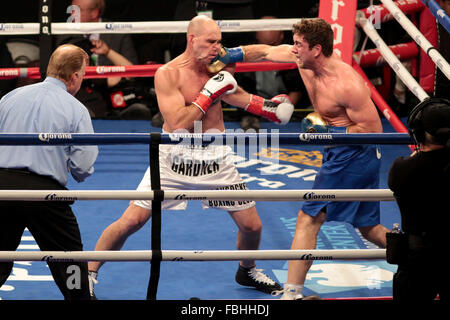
105, 69
11, 26
315, 136
118, 26
314, 196
10, 72
47, 136
55, 197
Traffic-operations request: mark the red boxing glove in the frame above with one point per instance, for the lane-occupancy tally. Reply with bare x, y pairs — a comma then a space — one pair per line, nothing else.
221, 83
279, 109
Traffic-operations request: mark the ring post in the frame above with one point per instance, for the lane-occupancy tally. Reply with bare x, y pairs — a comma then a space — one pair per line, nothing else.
156, 216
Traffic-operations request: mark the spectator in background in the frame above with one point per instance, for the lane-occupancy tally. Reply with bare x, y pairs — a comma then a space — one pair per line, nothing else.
25, 54
270, 83
6, 61
114, 96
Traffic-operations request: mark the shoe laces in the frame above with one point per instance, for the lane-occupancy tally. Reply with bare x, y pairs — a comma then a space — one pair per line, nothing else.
92, 281
288, 293
259, 276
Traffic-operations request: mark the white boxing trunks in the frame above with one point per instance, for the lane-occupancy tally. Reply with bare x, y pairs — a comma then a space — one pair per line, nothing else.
196, 168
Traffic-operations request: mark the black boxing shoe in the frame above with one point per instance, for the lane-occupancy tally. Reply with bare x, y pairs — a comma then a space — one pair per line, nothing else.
252, 277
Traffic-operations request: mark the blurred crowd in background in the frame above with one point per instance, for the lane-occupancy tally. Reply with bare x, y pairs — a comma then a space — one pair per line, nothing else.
134, 98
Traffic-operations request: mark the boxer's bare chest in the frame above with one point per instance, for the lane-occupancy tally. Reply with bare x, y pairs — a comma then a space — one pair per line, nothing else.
190, 84
325, 95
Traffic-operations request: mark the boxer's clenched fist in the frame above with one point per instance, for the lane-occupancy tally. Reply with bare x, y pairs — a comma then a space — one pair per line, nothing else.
225, 57
279, 109
221, 83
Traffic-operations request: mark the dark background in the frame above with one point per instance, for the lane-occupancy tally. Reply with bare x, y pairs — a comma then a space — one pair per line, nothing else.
147, 10
150, 47
22, 11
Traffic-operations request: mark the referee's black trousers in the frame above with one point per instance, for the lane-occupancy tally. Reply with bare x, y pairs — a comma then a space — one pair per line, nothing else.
53, 226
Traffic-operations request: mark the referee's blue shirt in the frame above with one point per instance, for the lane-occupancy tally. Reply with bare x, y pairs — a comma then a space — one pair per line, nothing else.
47, 107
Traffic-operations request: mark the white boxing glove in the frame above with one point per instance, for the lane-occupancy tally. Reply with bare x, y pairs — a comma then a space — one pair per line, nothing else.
221, 83
285, 108
279, 109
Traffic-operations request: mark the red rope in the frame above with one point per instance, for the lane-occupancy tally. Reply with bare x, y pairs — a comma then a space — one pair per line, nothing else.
136, 70
373, 57
407, 7
382, 104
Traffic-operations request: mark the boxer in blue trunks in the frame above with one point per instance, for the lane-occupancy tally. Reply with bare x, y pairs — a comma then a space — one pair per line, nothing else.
189, 94
348, 167
342, 104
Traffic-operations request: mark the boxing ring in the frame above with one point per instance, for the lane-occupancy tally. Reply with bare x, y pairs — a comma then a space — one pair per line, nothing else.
383, 54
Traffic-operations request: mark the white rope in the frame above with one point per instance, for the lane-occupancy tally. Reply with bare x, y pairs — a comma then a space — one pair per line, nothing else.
418, 37
146, 26
19, 28
391, 58
197, 255
261, 195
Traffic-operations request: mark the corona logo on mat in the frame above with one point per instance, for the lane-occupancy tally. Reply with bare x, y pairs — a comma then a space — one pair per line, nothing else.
309, 158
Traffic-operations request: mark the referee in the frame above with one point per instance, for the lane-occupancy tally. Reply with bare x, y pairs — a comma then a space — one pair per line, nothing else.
47, 107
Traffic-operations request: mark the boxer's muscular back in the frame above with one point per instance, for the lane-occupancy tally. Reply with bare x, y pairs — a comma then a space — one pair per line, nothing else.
187, 82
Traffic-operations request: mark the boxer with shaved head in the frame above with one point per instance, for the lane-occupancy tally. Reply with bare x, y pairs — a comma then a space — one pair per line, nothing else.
188, 93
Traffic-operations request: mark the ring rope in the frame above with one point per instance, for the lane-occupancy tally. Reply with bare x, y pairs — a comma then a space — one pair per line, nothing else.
180, 26
381, 13
382, 105
248, 25
420, 39
438, 13
391, 59
145, 70
368, 58
186, 139
260, 195
373, 57
197, 255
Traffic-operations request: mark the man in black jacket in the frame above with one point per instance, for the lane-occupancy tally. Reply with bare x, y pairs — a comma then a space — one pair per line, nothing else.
108, 97
421, 186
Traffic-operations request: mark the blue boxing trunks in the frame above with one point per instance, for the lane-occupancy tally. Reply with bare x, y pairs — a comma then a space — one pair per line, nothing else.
348, 167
